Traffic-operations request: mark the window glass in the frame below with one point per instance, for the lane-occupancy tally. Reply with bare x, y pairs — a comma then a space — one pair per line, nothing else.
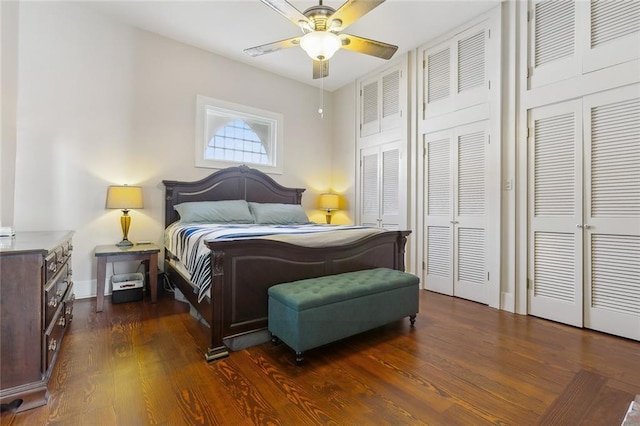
228, 134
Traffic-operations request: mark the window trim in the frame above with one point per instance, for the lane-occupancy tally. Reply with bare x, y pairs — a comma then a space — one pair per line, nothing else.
241, 112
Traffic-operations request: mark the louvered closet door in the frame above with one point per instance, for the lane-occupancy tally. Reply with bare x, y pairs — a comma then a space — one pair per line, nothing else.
470, 212
438, 244
369, 107
471, 76
612, 207
555, 213
456, 211
613, 36
455, 74
369, 187
390, 191
438, 69
391, 110
553, 46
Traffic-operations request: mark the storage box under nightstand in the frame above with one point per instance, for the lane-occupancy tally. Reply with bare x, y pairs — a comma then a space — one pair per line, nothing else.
127, 287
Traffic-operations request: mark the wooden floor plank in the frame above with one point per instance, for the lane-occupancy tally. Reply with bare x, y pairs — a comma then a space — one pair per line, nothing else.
463, 363
572, 405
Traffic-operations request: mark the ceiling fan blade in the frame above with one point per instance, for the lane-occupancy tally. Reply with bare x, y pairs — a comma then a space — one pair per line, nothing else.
320, 69
272, 47
351, 11
286, 9
367, 46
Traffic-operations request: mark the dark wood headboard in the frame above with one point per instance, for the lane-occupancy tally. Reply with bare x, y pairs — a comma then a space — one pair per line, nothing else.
233, 183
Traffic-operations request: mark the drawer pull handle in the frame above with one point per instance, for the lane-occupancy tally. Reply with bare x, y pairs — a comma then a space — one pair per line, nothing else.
61, 322
59, 293
53, 345
53, 302
68, 310
53, 267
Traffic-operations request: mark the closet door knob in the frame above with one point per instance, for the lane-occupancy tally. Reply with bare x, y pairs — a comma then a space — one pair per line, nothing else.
579, 226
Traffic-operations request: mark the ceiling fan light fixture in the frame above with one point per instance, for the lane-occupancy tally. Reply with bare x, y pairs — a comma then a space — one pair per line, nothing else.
320, 45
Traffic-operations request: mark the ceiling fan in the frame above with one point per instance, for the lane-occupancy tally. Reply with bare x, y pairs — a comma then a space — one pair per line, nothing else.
322, 28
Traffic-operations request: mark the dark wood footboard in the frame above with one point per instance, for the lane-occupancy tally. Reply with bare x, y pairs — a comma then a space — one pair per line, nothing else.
242, 271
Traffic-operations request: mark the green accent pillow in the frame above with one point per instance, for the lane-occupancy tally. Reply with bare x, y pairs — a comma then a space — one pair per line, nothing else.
228, 211
278, 214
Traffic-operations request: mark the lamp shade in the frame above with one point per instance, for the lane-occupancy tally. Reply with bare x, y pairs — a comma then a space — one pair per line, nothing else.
320, 45
124, 197
329, 202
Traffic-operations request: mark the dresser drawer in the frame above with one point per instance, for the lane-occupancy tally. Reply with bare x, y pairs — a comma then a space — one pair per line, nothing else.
54, 294
53, 337
56, 259
50, 266
68, 303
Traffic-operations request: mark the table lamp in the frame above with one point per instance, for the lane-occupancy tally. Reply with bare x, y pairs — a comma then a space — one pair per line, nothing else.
124, 197
329, 203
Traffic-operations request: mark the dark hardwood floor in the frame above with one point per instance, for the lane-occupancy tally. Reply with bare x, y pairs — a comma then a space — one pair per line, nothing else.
463, 363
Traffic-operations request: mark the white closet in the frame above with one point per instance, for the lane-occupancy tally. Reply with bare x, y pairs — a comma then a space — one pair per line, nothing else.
381, 193
456, 211
381, 145
461, 168
585, 212
583, 119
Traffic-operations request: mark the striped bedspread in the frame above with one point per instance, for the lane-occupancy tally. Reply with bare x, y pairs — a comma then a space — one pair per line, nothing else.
187, 242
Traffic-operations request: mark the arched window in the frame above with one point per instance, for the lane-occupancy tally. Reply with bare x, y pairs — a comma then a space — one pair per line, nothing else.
228, 134
237, 142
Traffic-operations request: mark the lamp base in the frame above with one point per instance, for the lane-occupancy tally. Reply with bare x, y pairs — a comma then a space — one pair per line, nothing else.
124, 244
328, 217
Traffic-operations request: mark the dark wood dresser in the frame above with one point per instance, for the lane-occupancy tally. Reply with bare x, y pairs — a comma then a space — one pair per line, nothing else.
36, 306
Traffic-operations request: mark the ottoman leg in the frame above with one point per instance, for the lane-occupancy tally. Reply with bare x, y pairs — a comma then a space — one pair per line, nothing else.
299, 358
412, 319
274, 339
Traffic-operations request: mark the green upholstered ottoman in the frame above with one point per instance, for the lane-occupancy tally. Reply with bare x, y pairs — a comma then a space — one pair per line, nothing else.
309, 313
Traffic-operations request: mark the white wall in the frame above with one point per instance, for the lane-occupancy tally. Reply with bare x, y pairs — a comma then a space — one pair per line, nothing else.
9, 13
103, 103
344, 152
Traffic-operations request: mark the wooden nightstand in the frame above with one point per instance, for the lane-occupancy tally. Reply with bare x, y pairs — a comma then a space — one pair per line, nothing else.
112, 253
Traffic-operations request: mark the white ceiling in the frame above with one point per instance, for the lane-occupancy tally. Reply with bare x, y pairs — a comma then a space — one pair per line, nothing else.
226, 27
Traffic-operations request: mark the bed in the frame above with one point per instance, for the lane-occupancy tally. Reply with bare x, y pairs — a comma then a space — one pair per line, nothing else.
242, 270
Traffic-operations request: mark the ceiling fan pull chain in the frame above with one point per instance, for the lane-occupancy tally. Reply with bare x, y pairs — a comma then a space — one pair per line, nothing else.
321, 109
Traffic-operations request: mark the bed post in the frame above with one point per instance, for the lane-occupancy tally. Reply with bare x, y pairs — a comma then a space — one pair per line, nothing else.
402, 242
217, 349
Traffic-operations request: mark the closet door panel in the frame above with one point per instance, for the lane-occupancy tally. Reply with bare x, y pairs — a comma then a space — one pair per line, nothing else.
438, 71
370, 187
612, 206
369, 107
613, 33
553, 42
471, 195
555, 213
438, 244
390, 188
391, 113
471, 77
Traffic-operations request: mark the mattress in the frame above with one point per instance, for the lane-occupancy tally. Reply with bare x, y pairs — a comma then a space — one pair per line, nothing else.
187, 243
